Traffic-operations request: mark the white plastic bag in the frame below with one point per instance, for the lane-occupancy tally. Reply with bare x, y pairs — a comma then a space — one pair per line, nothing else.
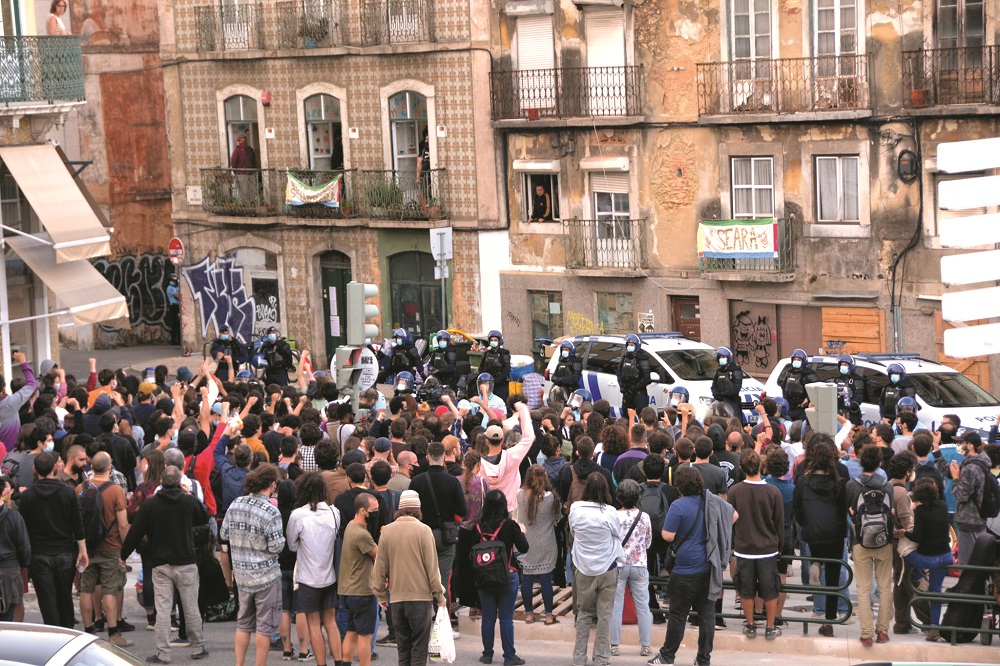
442, 645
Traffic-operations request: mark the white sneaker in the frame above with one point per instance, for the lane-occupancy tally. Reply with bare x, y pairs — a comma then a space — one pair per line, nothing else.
455, 634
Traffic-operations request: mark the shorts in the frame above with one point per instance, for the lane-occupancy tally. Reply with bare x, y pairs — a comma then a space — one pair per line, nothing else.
260, 611
362, 613
287, 590
315, 599
105, 569
757, 577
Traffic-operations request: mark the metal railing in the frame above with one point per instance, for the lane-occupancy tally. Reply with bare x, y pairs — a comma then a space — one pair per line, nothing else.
966, 75
308, 24
981, 600
787, 85
401, 195
41, 69
566, 92
243, 192
229, 27
605, 243
347, 205
396, 21
783, 263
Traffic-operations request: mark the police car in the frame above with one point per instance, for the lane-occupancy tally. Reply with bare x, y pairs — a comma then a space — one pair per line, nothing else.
676, 362
940, 390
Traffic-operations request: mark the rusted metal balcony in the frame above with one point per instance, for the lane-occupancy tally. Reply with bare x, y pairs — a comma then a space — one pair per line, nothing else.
783, 261
240, 192
788, 85
396, 22
402, 195
308, 24
229, 27
605, 243
939, 77
566, 92
333, 193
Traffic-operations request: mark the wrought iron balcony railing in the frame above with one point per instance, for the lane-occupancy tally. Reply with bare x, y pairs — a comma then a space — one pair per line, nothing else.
784, 262
308, 24
566, 92
41, 69
966, 75
328, 194
239, 192
611, 242
396, 22
788, 85
229, 27
401, 195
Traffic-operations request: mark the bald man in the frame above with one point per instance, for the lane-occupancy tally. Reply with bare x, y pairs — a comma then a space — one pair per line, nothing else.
407, 462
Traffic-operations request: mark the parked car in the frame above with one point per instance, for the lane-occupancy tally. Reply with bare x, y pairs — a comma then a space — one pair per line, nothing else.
940, 390
676, 360
41, 645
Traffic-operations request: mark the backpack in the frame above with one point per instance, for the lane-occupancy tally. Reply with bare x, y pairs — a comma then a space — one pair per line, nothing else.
92, 511
576, 487
490, 568
10, 467
990, 506
872, 518
654, 504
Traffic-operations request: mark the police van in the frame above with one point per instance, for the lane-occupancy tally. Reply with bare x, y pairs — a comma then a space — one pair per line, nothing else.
940, 390
675, 362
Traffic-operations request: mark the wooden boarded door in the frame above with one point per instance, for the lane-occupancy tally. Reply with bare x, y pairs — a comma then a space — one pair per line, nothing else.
853, 330
687, 316
976, 368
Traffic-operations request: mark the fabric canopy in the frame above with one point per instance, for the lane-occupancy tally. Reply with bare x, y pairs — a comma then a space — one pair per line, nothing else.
79, 288
62, 206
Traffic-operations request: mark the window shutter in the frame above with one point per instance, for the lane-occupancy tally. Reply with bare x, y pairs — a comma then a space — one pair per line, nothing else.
605, 37
534, 42
616, 183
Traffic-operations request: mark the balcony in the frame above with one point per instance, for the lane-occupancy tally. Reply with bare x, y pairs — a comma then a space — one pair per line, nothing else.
308, 24
239, 192
566, 92
385, 22
610, 243
824, 84
229, 27
747, 250
941, 77
400, 195
301, 193
40, 71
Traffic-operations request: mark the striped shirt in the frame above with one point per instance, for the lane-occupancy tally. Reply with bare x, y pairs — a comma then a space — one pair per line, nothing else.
253, 528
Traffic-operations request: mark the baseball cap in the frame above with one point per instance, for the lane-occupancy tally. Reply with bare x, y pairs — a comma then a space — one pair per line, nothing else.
353, 456
494, 433
184, 374
382, 444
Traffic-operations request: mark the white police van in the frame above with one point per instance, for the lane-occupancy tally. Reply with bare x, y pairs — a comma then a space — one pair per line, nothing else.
675, 361
940, 390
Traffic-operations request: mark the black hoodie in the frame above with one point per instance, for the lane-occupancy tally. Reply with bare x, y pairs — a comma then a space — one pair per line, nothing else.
51, 511
820, 507
167, 519
583, 469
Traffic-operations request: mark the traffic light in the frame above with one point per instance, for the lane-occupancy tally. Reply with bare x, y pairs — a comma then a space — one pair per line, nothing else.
349, 372
359, 312
822, 413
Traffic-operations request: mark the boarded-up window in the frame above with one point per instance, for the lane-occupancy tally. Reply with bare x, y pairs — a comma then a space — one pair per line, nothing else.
762, 334
853, 330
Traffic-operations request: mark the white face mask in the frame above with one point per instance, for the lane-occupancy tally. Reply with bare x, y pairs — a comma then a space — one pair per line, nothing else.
894, 379
844, 370
723, 361
797, 364
565, 353
442, 344
630, 349
494, 344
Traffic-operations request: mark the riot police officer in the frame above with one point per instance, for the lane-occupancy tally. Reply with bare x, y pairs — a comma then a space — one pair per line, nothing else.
277, 356
227, 352
569, 370
793, 380
404, 383
850, 389
405, 357
633, 375
442, 361
496, 361
899, 386
728, 381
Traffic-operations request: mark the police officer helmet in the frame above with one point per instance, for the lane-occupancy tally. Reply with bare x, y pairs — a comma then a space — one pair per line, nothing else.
443, 335
566, 344
848, 359
633, 339
906, 404
244, 375
485, 378
495, 334
579, 397
404, 381
258, 361
724, 352
800, 354
400, 333
897, 369
678, 396
782, 407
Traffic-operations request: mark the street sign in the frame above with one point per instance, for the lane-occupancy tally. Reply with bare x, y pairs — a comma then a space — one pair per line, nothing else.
972, 341
175, 250
441, 244
368, 363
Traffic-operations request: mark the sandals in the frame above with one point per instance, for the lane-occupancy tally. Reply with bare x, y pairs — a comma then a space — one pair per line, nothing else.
550, 620
529, 618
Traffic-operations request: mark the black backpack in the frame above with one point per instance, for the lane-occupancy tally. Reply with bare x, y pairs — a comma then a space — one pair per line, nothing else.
490, 567
654, 504
872, 518
92, 511
990, 506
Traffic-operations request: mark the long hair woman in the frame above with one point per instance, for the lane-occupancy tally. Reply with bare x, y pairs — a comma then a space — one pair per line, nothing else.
931, 534
474, 486
538, 510
495, 524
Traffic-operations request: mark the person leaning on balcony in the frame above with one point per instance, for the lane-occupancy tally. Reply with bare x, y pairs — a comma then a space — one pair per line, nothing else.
243, 157
541, 205
55, 24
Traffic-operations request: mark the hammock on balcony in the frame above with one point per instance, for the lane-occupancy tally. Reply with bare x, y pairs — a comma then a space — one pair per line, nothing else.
298, 193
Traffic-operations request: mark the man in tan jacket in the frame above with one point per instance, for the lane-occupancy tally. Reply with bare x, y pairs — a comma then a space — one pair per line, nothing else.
902, 469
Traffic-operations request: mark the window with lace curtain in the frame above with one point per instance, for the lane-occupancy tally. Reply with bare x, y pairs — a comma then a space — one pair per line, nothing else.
837, 192
753, 187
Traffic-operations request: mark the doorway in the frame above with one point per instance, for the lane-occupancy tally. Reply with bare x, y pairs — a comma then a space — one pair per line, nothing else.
335, 272
687, 316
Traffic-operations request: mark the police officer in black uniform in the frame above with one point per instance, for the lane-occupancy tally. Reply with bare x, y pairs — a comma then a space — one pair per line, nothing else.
633, 375
793, 380
496, 361
850, 389
569, 370
899, 386
728, 381
405, 357
279, 358
443, 360
226, 348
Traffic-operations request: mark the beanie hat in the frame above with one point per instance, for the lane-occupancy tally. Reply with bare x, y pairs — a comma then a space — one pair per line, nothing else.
409, 500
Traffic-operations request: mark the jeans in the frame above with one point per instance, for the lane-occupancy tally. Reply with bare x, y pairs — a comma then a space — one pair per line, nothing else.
412, 621
166, 578
831, 572
446, 559
819, 600
966, 542
637, 580
500, 602
595, 597
938, 565
874, 565
689, 593
53, 578
527, 591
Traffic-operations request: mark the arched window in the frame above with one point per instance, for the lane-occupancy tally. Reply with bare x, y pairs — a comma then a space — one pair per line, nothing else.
323, 132
241, 121
408, 122
416, 295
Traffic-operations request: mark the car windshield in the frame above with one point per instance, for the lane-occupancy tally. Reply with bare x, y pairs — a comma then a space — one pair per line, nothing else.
951, 389
690, 364
102, 653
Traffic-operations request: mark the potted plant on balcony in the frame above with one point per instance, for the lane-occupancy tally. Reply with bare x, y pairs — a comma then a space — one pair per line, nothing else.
918, 89
383, 199
313, 30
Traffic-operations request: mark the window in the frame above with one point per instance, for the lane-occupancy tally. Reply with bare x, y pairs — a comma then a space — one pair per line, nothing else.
604, 357
416, 295
837, 191
261, 268
836, 27
752, 31
14, 211
961, 23
541, 206
241, 123
323, 132
546, 314
615, 245
408, 122
615, 313
753, 187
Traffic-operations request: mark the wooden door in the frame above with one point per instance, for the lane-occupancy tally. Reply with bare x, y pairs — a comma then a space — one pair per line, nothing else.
687, 316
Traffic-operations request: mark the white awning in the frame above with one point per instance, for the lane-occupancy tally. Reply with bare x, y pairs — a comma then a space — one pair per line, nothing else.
604, 164
537, 166
59, 200
80, 289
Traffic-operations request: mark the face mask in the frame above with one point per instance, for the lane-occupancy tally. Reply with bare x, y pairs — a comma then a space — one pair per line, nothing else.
494, 344
797, 365
399, 341
56, 386
401, 386
442, 344
224, 336
368, 341
894, 379
723, 361
565, 353
844, 370
271, 337
49, 445
630, 349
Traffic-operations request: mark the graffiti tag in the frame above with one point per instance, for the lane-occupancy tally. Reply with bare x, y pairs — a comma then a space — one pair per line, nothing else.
268, 312
221, 292
577, 324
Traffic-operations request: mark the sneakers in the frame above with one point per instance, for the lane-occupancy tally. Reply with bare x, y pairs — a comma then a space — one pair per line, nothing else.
770, 633
151, 627
178, 642
720, 622
388, 639
118, 640
615, 651
750, 630
485, 660
124, 626
645, 651
658, 659
866, 641
826, 630
456, 634
200, 655
882, 637
286, 655
516, 661
155, 659
306, 656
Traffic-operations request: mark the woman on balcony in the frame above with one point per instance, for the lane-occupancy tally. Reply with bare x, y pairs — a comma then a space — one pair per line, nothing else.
55, 24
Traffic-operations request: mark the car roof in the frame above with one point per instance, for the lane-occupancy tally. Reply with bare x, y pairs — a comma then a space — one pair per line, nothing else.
912, 363
33, 644
651, 341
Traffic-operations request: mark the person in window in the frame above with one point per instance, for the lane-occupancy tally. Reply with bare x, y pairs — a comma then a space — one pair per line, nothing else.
243, 157
541, 205
424, 168
55, 25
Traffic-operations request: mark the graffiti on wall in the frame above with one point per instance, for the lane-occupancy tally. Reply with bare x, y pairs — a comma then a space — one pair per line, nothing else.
751, 339
142, 280
577, 324
220, 290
